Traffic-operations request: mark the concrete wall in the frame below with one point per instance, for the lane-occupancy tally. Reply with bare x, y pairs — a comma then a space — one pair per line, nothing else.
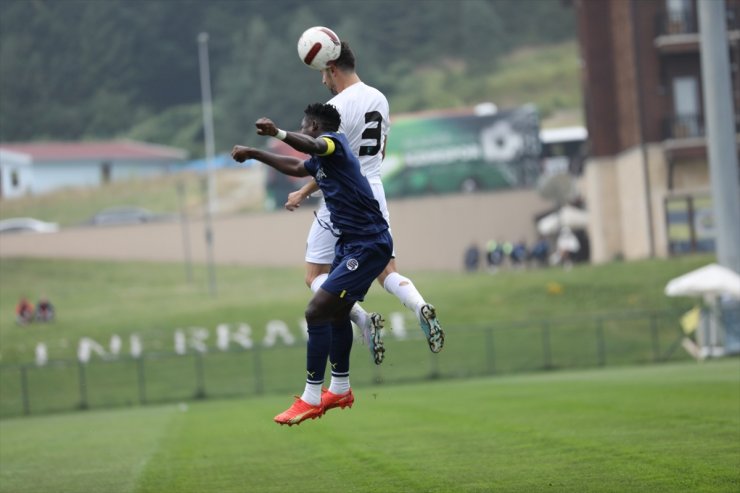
429, 233
605, 225
618, 202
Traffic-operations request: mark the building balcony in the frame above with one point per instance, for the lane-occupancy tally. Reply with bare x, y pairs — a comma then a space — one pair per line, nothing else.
683, 127
684, 137
678, 32
676, 24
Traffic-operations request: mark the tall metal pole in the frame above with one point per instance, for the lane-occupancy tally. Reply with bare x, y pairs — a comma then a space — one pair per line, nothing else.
720, 125
205, 91
185, 230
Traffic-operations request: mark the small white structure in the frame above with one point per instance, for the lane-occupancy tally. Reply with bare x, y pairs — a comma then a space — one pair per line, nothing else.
40, 167
566, 217
719, 287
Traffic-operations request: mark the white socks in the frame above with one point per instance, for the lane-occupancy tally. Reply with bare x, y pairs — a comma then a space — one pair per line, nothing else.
312, 394
339, 385
316, 284
358, 315
402, 288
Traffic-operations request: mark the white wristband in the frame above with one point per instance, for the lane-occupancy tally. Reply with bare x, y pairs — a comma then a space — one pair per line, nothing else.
281, 134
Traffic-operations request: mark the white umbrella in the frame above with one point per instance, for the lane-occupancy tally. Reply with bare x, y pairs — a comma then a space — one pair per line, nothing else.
710, 280
566, 216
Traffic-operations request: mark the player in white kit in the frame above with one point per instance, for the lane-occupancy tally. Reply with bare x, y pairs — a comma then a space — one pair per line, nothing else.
365, 122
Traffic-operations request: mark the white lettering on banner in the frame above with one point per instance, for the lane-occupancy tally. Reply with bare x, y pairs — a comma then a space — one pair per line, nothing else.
135, 346
85, 349
197, 338
430, 157
275, 329
194, 337
398, 324
304, 328
242, 336
115, 345
42, 355
181, 344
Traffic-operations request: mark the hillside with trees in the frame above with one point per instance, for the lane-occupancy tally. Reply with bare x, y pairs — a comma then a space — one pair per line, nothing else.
76, 69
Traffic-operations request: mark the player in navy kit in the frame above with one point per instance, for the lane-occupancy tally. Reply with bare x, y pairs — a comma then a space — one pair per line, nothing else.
363, 249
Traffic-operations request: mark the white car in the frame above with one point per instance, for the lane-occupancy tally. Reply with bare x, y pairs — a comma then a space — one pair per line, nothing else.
27, 225
123, 215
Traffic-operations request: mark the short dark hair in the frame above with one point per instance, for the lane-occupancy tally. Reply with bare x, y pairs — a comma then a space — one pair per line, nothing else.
326, 115
346, 60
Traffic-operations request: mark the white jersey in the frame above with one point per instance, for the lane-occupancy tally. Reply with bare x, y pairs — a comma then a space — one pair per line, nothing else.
366, 122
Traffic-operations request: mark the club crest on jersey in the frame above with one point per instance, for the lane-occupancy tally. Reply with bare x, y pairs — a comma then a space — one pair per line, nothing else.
352, 264
320, 174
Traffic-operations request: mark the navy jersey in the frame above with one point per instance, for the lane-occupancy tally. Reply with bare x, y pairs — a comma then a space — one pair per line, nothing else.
352, 206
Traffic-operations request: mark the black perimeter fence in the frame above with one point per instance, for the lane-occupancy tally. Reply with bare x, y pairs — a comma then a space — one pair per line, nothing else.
495, 349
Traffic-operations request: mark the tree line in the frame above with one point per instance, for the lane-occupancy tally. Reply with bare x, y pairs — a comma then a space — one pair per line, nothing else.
84, 69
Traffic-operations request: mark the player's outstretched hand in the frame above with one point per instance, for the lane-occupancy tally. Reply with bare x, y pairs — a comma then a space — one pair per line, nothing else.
265, 126
294, 200
241, 153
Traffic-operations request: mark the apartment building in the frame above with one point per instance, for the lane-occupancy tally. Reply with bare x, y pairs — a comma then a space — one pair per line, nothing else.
646, 180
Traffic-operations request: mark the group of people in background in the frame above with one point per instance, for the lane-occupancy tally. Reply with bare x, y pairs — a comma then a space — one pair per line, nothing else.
26, 312
499, 254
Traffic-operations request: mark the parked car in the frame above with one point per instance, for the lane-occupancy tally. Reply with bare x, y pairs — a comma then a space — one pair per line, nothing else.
124, 215
27, 225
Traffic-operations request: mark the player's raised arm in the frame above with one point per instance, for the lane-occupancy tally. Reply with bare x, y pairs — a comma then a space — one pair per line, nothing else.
287, 165
299, 141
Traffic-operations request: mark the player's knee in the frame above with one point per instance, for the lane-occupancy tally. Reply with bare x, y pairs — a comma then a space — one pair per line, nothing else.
315, 313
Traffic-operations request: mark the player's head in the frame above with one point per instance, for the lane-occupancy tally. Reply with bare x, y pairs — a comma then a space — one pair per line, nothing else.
340, 68
346, 60
320, 118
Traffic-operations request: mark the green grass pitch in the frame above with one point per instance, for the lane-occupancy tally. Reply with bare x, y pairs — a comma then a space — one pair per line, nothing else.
661, 428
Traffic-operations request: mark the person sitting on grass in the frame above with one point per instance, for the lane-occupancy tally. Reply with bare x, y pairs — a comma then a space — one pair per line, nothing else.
44, 310
24, 311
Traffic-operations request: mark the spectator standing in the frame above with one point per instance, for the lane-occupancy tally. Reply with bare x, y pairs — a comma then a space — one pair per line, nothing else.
472, 257
519, 254
540, 252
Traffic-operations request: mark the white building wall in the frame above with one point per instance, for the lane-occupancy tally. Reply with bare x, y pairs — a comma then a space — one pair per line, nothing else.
127, 171
60, 174
53, 176
16, 174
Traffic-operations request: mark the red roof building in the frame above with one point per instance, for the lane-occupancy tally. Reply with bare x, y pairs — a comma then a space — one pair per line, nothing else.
40, 167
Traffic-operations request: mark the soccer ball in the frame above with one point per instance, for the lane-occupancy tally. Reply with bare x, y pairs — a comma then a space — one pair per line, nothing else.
317, 46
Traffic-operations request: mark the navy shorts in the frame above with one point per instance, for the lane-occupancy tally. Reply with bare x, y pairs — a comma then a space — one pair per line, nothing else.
357, 262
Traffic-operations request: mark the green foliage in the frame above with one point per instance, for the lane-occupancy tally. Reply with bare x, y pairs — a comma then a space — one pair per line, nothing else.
81, 69
635, 430
180, 126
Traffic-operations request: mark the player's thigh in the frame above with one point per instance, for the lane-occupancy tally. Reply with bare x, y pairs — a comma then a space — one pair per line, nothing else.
389, 269
357, 265
379, 193
320, 244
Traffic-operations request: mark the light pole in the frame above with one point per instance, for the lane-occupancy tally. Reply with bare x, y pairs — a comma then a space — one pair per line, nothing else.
205, 92
721, 145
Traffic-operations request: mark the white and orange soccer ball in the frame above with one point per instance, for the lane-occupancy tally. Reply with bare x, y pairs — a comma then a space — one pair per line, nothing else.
318, 46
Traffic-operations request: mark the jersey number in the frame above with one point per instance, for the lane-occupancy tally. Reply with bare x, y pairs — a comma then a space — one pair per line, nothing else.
374, 133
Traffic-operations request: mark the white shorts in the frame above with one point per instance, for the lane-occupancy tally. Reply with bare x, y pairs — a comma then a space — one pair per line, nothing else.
320, 242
